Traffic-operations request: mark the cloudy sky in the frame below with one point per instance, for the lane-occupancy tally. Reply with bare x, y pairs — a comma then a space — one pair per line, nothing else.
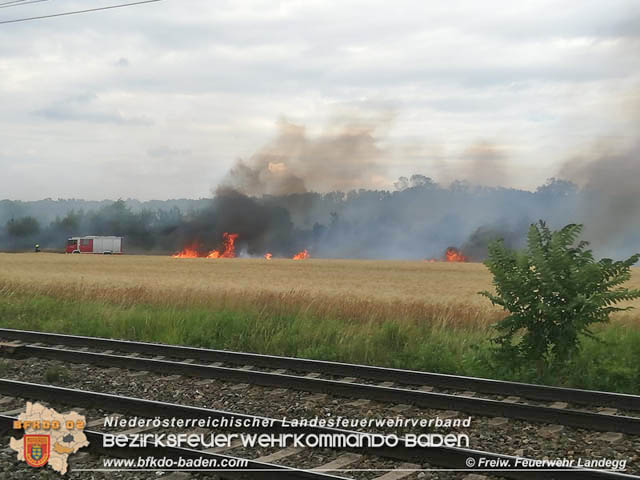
160, 100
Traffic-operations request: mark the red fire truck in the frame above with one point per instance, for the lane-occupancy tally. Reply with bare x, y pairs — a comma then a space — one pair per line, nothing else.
94, 244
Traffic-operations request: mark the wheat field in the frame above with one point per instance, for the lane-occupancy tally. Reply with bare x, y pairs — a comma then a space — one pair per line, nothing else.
357, 290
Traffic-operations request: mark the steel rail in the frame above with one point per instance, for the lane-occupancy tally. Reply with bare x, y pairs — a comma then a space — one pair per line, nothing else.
471, 405
447, 457
382, 374
261, 470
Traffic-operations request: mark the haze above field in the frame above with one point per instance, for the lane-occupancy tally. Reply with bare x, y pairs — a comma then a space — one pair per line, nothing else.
160, 101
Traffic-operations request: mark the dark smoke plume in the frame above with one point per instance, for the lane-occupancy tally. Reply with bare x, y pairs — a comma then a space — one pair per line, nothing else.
418, 222
476, 247
260, 227
346, 156
308, 193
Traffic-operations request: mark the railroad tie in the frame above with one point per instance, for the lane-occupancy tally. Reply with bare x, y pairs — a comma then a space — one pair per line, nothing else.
79, 411
131, 431
280, 454
206, 381
401, 408
608, 411
409, 469
234, 444
550, 431
448, 414
611, 437
360, 403
340, 462
239, 386
13, 412
316, 397
498, 421
80, 457
176, 476
98, 422
277, 392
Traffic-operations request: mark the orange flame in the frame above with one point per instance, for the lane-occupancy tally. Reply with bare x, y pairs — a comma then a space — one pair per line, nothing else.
452, 254
187, 252
229, 250
301, 255
268, 256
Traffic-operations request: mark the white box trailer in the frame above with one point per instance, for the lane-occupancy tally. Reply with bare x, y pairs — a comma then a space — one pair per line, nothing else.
94, 244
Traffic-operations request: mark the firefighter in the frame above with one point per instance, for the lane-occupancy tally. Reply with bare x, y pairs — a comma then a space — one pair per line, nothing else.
37, 247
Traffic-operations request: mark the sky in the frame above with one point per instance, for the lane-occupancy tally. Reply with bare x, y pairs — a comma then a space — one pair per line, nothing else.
160, 100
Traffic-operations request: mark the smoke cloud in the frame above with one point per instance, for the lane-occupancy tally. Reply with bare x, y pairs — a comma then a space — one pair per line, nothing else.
610, 203
260, 227
330, 194
485, 163
347, 155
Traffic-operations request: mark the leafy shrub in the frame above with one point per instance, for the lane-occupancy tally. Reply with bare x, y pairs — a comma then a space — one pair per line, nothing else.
554, 291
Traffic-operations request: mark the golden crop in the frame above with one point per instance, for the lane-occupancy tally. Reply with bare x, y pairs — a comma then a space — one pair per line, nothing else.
355, 290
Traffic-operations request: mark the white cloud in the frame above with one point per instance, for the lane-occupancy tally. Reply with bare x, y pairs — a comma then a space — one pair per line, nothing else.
543, 79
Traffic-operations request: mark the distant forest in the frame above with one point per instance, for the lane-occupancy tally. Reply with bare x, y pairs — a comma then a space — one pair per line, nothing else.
418, 219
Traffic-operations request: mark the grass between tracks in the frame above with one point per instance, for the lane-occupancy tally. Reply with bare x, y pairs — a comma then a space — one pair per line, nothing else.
430, 344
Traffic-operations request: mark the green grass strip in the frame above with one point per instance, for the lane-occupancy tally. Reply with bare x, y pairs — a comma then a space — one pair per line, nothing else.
613, 364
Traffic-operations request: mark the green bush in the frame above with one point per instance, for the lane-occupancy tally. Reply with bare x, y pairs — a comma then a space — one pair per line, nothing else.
554, 291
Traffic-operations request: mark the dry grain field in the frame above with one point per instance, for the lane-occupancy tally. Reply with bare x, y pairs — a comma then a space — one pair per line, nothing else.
351, 289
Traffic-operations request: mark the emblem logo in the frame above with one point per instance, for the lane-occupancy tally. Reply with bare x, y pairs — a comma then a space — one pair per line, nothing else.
49, 437
37, 449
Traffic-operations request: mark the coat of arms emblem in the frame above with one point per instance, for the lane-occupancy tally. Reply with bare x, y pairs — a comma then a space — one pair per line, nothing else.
37, 449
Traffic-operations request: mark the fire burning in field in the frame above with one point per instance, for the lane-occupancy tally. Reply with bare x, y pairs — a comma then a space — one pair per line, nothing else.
228, 249
187, 252
303, 255
452, 254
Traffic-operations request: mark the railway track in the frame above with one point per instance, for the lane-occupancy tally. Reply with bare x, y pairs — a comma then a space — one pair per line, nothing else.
265, 467
345, 380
